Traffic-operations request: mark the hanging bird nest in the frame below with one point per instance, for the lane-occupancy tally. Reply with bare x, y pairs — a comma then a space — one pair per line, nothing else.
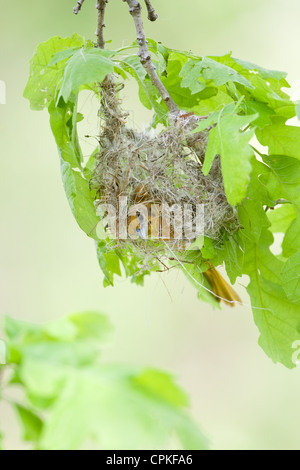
158, 170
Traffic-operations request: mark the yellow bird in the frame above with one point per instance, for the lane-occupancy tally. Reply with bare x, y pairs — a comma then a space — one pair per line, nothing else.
145, 219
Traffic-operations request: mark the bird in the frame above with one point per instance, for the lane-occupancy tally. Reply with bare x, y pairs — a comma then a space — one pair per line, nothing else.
145, 219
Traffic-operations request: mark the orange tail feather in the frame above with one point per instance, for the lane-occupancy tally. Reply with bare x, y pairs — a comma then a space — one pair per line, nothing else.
220, 288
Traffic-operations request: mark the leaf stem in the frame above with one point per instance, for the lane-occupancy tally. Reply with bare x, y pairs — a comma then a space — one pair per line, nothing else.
144, 54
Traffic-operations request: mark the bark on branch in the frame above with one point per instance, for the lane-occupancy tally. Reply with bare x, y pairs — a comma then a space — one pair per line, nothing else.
77, 9
100, 5
152, 16
144, 54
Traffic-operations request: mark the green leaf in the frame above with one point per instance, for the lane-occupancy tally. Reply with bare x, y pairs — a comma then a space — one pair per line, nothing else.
232, 256
263, 111
88, 170
208, 70
183, 96
159, 384
257, 189
208, 249
31, 423
85, 67
281, 139
76, 186
253, 219
133, 264
281, 218
116, 407
197, 244
267, 87
209, 104
263, 72
109, 407
91, 325
194, 92
44, 79
291, 277
209, 121
71, 340
62, 330
80, 199
255, 240
158, 48
17, 329
227, 140
274, 313
109, 262
65, 133
192, 77
62, 55
291, 241
278, 322
283, 182
110, 259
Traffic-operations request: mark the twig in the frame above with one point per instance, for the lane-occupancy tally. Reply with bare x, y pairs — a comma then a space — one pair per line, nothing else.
110, 104
100, 5
152, 15
144, 54
77, 9
182, 260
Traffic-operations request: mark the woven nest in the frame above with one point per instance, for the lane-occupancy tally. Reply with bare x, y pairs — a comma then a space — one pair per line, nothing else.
158, 168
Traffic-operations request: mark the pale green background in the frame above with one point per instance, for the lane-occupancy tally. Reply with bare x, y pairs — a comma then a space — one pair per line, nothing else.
48, 266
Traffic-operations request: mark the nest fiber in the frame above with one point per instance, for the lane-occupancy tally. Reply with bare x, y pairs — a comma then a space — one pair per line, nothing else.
162, 168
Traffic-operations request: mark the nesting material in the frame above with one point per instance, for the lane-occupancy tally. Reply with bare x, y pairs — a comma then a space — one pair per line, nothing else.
158, 170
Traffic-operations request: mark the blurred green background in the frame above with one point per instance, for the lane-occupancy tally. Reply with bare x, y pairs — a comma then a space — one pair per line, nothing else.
48, 266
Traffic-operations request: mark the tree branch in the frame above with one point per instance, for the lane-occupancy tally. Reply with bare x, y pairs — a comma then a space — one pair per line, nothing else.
77, 9
152, 16
100, 5
144, 54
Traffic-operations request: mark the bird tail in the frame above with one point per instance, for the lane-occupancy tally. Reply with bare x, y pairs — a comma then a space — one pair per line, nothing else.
220, 288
